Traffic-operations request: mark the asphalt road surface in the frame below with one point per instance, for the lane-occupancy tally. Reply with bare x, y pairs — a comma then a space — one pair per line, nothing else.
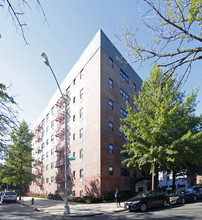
191, 211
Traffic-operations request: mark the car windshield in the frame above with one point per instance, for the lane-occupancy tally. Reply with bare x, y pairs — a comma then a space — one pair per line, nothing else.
141, 195
178, 191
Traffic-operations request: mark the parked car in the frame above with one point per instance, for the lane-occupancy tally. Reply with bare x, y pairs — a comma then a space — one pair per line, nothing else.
9, 196
182, 196
144, 200
198, 190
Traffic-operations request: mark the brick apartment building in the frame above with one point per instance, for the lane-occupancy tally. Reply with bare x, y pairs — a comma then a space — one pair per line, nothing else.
97, 88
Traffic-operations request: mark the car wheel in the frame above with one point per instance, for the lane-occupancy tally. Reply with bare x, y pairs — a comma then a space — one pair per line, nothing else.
143, 207
165, 203
194, 199
183, 200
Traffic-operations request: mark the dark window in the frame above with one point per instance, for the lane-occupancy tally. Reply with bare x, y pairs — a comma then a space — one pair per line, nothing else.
124, 95
111, 62
123, 113
81, 133
74, 136
74, 117
111, 149
111, 126
124, 76
111, 104
134, 87
81, 153
81, 173
110, 83
81, 94
124, 172
111, 171
73, 193
74, 99
81, 113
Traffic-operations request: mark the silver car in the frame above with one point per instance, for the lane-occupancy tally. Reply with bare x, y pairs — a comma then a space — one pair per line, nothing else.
9, 196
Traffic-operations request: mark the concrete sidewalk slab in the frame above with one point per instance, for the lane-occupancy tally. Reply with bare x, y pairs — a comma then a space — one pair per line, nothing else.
56, 207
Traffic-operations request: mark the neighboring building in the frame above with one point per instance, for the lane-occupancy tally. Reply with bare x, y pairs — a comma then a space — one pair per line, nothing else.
97, 88
166, 181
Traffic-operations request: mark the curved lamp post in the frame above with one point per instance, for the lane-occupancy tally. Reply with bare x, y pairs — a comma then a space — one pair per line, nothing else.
66, 208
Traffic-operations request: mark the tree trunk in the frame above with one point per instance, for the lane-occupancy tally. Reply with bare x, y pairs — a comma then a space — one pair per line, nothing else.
174, 178
155, 177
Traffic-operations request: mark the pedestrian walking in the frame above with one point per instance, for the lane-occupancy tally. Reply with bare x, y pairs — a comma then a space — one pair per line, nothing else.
117, 198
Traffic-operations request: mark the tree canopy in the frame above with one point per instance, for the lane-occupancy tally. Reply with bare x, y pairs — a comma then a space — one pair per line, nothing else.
19, 161
163, 132
176, 35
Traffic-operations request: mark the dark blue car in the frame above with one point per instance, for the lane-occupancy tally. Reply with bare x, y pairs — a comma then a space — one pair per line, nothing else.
182, 196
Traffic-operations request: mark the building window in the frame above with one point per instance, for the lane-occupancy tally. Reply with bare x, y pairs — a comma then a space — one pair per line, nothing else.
81, 113
42, 134
81, 193
74, 154
47, 129
74, 99
74, 174
42, 146
47, 117
81, 133
52, 179
47, 142
74, 81
124, 95
110, 83
111, 171
42, 169
52, 124
124, 154
52, 137
81, 153
46, 154
42, 157
52, 110
111, 149
124, 76
111, 104
81, 173
47, 167
111, 62
47, 180
122, 134
125, 172
134, 87
81, 74
111, 126
52, 165
81, 94
52, 151
123, 113
74, 136
73, 193
42, 181
74, 116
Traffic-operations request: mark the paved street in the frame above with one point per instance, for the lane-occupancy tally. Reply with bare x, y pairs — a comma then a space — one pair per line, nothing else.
191, 211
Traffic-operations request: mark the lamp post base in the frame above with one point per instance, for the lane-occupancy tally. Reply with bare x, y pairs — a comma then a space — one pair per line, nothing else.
66, 210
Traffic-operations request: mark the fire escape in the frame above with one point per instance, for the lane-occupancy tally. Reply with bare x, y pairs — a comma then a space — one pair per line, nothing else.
38, 151
60, 134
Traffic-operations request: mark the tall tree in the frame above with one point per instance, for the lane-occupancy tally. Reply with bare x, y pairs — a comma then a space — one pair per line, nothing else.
8, 118
162, 133
19, 161
176, 36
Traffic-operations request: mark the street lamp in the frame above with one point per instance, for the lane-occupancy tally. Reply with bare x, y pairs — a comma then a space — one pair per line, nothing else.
66, 208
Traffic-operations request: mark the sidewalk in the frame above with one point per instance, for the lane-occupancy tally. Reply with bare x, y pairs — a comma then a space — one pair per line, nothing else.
56, 207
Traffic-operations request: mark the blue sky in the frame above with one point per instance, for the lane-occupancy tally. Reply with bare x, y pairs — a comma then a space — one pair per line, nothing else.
71, 26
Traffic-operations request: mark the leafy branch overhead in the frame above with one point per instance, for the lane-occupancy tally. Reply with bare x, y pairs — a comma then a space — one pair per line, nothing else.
176, 41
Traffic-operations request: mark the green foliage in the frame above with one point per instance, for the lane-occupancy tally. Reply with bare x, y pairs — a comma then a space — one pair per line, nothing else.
164, 133
55, 196
19, 161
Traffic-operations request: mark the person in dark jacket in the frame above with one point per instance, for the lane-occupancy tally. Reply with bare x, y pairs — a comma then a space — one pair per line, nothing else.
117, 198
